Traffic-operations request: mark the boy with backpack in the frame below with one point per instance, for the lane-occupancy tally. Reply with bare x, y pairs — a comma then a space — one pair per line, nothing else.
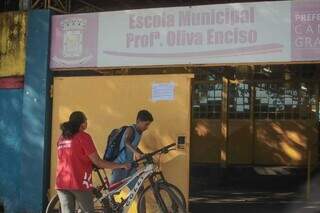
123, 145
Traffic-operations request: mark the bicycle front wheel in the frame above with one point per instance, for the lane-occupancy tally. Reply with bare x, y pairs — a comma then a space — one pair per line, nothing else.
160, 198
178, 192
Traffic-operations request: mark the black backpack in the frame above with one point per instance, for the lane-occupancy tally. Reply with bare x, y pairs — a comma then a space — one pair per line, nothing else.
112, 150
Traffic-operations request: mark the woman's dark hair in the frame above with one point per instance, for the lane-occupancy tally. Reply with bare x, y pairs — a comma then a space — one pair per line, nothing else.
144, 115
72, 126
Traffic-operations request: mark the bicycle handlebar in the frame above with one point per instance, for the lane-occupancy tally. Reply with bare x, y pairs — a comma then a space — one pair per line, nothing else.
165, 149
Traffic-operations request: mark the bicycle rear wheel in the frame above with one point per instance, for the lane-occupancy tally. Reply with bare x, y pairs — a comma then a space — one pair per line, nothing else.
54, 206
161, 198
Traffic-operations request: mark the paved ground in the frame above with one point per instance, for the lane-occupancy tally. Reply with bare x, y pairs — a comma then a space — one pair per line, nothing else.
248, 191
254, 208
230, 201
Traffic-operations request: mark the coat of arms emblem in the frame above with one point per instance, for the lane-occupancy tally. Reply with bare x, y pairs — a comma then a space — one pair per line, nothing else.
73, 29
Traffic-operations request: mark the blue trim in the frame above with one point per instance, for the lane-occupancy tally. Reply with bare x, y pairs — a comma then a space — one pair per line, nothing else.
10, 152
36, 114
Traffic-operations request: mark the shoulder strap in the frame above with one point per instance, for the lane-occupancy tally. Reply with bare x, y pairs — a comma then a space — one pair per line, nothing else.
133, 133
133, 136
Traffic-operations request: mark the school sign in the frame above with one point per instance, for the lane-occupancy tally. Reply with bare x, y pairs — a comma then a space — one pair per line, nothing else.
284, 31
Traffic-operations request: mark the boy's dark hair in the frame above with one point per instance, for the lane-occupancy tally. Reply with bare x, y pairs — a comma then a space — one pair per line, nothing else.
144, 115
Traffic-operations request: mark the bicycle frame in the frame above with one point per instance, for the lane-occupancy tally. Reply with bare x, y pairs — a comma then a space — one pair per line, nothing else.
149, 171
143, 174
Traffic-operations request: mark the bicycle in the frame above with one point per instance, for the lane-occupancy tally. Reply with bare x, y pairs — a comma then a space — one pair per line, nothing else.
104, 195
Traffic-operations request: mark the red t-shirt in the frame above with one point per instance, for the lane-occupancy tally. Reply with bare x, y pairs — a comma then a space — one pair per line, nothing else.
74, 170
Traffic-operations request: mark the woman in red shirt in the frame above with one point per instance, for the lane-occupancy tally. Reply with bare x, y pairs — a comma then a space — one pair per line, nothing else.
76, 156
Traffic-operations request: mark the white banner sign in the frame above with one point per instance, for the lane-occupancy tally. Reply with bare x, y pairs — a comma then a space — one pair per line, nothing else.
231, 33
213, 34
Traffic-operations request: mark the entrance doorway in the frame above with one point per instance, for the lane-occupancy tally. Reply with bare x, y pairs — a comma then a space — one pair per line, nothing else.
113, 101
